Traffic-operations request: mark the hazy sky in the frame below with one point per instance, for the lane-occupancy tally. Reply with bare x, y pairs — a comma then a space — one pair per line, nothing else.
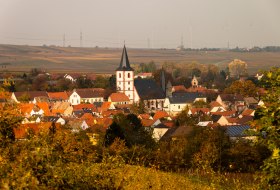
141, 23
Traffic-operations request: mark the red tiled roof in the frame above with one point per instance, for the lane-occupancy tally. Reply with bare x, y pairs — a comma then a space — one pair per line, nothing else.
225, 113
119, 97
232, 120
147, 122
89, 118
215, 104
179, 88
90, 92
197, 110
111, 112
247, 112
58, 95
25, 108
84, 106
45, 107
160, 114
197, 89
245, 119
144, 116
169, 123
105, 106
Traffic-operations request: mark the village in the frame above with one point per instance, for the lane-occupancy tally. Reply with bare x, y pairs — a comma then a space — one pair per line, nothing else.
157, 106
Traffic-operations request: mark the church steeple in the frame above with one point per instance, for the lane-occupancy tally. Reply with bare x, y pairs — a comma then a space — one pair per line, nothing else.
125, 77
124, 64
162, 80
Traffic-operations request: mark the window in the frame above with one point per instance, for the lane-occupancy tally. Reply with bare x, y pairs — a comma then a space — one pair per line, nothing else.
128, 75
128, 82
119, 83
128, 88
179, 107
120, 75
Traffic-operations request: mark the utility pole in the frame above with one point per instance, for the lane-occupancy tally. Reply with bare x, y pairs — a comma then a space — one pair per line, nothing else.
63, 40
81, 39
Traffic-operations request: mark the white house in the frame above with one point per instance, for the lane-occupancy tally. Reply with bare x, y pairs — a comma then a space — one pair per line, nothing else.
75, 98
179, 101
118, 98
87, 95
69, 77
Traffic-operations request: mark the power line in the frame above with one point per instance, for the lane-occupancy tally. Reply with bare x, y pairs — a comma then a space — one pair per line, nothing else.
81, 39
63, 40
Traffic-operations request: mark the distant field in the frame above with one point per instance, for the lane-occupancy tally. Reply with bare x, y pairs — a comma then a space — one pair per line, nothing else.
105, 60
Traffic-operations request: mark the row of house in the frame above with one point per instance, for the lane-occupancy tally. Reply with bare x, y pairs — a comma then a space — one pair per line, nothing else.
87, 108
100, 115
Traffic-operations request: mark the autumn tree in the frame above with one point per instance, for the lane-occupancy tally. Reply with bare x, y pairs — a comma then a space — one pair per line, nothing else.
9, 119
138, 108
130, 129
101, 82
237, 68
245, 88
84, 82
268, 124
40, 83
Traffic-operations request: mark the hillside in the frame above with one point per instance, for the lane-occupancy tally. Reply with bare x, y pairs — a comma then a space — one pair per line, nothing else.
105, 60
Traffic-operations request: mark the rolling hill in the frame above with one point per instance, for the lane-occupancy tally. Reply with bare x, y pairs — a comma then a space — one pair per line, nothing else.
17, 58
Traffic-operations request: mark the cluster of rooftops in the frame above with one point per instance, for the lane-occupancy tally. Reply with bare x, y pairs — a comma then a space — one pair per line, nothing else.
89, 108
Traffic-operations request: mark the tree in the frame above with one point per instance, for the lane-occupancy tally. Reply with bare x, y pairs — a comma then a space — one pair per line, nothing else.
196, 72
207, 148
8, 121
139, 108
237, 68
245, 88
101, 82
201, 104
129, 128
40, 83
157, 76
64, 84
268, 124
84, 82
35, 71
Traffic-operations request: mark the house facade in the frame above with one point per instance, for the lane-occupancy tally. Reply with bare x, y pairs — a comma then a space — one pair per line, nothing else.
179, 101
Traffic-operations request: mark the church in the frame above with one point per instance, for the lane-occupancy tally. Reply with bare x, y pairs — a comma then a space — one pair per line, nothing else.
139, 89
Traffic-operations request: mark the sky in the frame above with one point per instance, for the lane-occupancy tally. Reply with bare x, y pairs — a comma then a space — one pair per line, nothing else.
141, 23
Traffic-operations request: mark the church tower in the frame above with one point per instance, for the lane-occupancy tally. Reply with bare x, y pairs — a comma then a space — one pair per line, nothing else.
125, 77
194, 82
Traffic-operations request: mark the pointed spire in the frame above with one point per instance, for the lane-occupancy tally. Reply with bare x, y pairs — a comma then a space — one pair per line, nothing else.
163, 86
124, 64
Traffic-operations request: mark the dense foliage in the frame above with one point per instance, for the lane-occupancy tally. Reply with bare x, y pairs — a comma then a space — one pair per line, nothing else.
268, 124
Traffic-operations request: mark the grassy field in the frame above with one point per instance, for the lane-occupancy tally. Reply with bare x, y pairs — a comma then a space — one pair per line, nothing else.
105, 60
